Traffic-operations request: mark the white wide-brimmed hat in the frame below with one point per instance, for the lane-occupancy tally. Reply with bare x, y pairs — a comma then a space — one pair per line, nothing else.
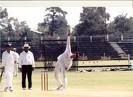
26, 45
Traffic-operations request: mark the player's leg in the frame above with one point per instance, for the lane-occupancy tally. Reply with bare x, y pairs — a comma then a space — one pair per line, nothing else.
8, 80
57, 72
64, 77
15, 69
29, 76
11, 81
24, 70
6, 76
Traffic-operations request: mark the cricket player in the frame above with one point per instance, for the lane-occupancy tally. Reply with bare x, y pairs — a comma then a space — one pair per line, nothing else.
8, 61
16, 62
63, 64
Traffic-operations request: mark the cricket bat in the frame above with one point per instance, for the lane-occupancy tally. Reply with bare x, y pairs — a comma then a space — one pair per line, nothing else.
1, 74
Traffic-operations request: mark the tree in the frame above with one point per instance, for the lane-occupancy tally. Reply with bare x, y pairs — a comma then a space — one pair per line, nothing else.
3, 13
24, 29
3, 22
92, 21
11, 27
54, 22
131, 25
121, 26
3, 18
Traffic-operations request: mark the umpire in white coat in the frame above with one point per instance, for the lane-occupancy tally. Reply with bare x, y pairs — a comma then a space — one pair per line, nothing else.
8, 61
27, 65
64, 62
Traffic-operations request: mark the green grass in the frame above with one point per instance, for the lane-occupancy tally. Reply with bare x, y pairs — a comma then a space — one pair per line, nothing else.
91, 84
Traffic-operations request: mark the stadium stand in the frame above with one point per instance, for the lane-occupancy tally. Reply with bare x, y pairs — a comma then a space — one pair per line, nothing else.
89, 48
97, 49
127, 47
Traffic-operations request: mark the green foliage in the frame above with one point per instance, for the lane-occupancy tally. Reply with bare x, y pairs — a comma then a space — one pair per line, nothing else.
92, 21
55, 22
121, 26
3, 13
11, 27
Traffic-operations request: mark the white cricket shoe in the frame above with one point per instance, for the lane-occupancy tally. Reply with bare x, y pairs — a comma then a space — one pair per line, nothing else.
10, 89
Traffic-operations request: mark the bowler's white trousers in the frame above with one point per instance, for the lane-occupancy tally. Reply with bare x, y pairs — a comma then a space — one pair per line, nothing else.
60, 74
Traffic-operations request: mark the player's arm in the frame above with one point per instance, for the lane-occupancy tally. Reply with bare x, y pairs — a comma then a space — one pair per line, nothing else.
3, 60
17, 58
20, 61
33, 61
69, 66
68, 44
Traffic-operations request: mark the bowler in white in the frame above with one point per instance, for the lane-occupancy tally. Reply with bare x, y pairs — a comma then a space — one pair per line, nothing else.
63, 64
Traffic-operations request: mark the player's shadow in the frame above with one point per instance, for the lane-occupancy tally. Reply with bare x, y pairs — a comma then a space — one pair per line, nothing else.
55, 90
52, 90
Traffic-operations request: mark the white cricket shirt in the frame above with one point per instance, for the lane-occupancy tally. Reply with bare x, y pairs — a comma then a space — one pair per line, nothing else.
26, 58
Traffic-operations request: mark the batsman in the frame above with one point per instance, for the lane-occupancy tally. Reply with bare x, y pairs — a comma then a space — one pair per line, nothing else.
63, 64
8, 60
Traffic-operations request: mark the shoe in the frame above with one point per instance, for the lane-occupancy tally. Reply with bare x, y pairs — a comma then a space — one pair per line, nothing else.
24, 88
30, 88
10, 89
5, 89
60, 87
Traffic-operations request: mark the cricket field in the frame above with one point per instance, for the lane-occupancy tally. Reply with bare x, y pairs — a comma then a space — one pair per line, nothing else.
80, 84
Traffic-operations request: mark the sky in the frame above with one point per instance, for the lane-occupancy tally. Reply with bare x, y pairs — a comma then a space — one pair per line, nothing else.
34, 15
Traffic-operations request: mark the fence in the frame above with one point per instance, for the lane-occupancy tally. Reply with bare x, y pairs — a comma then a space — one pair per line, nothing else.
89, 48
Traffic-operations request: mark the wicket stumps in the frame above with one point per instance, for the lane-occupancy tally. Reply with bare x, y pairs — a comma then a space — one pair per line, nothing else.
44, 80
